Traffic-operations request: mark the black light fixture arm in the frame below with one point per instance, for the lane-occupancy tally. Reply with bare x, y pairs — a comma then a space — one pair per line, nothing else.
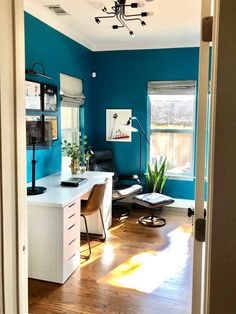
140, 127
118, 11
105, 17
121, 19
136, 19
131, 15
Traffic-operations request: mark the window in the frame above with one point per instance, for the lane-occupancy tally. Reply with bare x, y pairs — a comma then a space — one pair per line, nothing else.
172, 107
70, 124
71, 99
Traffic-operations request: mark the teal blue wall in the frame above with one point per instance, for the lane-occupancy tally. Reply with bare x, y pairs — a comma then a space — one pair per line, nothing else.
121, 83
59, 54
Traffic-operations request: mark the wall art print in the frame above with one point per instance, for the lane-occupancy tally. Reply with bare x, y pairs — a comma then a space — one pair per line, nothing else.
116, 125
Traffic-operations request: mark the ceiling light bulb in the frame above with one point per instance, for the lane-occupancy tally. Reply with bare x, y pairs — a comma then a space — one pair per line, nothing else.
97, 20
143, 23
141, 4
115, 26
144, 14
131, 33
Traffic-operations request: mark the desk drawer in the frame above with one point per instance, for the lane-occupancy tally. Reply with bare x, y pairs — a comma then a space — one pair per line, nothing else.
72, 238
71, 214
72, 231
71, 248
70, 265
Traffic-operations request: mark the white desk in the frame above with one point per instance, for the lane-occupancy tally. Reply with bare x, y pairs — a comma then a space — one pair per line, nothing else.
54, 225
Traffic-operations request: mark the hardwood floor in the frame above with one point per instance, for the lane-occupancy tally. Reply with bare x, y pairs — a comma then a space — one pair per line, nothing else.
138, 270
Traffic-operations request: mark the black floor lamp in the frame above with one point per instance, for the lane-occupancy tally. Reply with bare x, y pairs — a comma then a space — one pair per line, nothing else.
142, 134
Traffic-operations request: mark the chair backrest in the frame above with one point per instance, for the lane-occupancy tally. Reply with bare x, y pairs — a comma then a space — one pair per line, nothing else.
103, 160
95, 199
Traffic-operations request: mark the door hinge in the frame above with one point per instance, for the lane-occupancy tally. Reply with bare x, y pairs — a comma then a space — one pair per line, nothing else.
207, 25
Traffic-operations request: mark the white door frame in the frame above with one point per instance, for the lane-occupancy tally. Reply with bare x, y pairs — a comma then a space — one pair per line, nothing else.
215, 33
220, 236
13, 206
203, 86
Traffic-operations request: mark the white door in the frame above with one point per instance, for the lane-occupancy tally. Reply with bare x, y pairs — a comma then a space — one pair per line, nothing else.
203, 87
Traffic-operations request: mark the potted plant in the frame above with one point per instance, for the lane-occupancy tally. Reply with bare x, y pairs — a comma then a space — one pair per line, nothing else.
156, 176
78, 153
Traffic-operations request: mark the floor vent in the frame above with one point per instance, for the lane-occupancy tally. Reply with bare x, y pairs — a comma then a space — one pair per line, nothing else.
57, 9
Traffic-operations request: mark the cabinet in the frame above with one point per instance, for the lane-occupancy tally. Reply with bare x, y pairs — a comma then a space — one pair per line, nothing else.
54, 241
54, 226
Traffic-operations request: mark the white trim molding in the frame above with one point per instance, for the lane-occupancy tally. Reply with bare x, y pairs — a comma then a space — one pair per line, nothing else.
55, 23
13, 206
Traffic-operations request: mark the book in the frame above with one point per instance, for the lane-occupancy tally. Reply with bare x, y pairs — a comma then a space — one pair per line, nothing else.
73, 182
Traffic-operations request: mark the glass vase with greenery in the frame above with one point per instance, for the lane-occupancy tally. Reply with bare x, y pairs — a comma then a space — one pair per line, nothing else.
156, 176
78, 152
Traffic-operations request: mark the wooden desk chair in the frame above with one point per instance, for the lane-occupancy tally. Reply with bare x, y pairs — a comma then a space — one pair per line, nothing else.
92, 205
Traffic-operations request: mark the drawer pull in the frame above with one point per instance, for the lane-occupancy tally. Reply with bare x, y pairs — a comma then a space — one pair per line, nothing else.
71, 216
72, 226
72, 241
71, 205
71, 256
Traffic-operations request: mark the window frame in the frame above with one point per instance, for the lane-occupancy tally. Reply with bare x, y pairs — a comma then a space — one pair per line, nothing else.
75, 132
192, 131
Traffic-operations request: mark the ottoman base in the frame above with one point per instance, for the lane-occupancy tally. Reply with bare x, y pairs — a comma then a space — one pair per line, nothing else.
152, 221
153, 201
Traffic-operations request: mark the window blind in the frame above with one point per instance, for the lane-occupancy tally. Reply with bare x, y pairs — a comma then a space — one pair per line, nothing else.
71, 91
172, 88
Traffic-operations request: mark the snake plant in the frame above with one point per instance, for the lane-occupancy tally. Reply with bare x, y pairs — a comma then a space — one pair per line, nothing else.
156, 176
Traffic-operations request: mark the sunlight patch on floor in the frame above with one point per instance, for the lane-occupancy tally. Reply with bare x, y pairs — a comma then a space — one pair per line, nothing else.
106, 251
146, 271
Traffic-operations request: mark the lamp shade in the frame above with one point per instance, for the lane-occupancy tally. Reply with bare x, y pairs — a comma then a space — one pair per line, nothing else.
41, 131
128, 127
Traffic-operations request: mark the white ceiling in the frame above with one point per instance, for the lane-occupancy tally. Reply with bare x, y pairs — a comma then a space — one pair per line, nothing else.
174, 23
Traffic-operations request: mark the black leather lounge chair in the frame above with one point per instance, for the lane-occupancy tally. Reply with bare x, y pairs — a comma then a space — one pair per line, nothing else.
103, 160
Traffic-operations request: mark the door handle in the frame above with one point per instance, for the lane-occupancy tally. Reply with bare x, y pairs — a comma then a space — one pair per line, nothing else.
200, 224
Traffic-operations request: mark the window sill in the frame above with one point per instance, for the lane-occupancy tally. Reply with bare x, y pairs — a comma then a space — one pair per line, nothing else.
181, 178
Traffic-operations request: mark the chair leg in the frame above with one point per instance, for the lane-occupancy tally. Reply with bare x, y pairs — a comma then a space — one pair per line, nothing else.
103, 226
88, 239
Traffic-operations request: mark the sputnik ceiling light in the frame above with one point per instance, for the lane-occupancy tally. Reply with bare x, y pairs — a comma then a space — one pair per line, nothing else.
118, 11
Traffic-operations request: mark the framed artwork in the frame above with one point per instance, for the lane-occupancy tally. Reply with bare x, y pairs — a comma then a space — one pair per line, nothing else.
33, 95
53, 121
116, 125
49, 97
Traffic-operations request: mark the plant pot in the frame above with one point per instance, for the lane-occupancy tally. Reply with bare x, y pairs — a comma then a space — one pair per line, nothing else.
74, 166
